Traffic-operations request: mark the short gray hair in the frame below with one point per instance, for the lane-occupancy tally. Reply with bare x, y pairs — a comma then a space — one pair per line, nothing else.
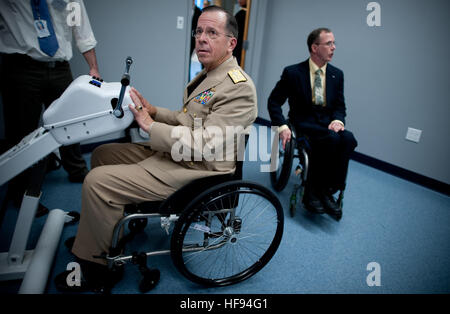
231, 24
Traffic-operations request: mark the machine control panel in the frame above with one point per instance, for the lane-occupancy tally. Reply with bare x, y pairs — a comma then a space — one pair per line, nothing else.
96, 81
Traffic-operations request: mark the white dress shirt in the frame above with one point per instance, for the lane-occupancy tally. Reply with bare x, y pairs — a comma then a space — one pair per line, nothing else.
18, 34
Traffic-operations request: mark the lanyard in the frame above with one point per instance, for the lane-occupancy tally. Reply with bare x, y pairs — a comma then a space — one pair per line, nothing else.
36, 4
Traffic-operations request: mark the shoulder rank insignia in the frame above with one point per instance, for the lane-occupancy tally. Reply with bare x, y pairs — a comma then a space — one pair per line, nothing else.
237, 76
204, 97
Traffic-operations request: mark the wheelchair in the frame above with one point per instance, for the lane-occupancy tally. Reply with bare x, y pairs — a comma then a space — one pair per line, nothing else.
297, 147
225, 233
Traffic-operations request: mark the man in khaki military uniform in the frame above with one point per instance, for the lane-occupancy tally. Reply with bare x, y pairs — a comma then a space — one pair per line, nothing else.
222, 95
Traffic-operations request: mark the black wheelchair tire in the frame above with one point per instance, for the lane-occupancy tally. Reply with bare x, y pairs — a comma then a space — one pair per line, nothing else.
279, 179
195, 209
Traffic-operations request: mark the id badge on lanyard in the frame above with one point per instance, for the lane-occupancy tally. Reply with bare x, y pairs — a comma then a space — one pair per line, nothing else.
39, 24
41, 28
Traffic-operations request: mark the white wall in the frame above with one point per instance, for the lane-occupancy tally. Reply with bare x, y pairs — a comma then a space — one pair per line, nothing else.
145, 30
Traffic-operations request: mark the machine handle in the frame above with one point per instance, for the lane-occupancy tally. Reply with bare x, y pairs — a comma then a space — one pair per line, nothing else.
125, 81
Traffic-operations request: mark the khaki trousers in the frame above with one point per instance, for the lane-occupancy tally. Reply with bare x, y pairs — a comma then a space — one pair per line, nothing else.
114, 181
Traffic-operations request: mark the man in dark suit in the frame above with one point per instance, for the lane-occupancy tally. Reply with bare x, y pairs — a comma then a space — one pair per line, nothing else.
315, 92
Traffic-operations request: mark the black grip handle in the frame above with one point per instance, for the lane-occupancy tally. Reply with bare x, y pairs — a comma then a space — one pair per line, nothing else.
125, 81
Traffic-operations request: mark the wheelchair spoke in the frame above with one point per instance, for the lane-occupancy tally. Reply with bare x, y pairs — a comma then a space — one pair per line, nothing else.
270, 221
196, 253
250, 249
259, 214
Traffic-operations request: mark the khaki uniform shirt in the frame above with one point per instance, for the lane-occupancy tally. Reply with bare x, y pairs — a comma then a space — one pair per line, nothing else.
225, 98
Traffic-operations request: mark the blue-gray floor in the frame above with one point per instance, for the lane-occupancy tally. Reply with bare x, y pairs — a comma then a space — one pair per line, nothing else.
403, 227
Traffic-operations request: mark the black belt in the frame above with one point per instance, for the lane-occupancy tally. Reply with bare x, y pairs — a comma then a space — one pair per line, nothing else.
27, 60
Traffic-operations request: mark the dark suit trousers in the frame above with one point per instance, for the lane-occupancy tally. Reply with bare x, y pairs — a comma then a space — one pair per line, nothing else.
329, 156
26, 86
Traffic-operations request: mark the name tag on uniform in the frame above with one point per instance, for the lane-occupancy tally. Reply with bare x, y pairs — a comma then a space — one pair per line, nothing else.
41, 28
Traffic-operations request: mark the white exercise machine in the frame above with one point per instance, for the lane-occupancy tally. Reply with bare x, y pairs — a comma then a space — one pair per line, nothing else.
88, 108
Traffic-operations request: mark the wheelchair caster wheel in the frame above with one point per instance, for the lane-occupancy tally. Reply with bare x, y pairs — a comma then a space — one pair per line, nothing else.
149, 281
292, 210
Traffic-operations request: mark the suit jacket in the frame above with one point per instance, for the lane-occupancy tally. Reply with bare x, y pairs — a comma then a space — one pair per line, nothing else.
217, 102
295, 86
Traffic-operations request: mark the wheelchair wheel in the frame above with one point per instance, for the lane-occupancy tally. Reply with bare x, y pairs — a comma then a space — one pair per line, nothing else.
227, 234
280, 177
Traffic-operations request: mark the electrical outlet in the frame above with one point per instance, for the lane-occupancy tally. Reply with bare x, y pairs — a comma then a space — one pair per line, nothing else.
413, 135
180, 22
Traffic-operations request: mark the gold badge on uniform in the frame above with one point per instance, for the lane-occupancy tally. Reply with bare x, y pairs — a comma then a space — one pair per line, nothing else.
237, 76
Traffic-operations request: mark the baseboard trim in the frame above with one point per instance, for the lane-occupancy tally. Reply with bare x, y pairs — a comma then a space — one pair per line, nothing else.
408, 175
405, 174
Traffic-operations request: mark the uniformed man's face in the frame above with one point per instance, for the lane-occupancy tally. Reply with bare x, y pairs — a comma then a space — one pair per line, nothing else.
212, 52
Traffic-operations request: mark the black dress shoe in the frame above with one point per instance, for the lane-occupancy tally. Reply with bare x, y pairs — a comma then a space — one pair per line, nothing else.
93, 277
312, 202
69, 243
331, 206
78, 177
329, 202
62, 285
53, 163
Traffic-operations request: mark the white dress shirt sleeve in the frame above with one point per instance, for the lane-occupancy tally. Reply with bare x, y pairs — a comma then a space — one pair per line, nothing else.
83, 35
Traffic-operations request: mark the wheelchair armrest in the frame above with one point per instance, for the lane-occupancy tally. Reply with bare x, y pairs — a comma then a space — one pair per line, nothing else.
300, 138
151, 207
